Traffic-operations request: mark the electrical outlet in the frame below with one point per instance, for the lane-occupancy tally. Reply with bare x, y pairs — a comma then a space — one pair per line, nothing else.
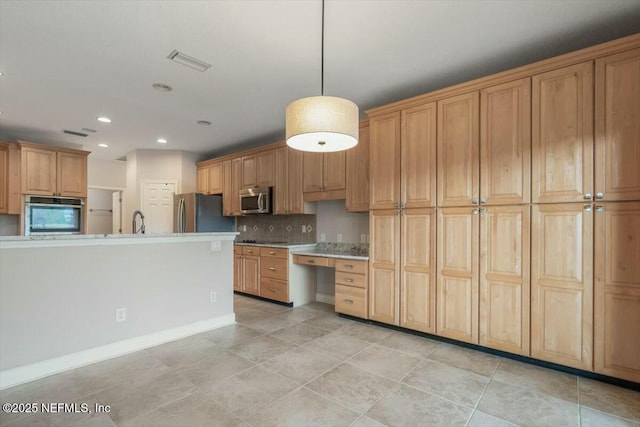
339, 237
363, 238
212, 297
323, 237
367, 238
121, 314
304, 228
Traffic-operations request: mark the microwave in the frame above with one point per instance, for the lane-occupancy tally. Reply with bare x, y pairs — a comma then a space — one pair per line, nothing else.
255, 200
53, 215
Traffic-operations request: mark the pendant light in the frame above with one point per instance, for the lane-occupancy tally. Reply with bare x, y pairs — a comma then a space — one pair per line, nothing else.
322, 123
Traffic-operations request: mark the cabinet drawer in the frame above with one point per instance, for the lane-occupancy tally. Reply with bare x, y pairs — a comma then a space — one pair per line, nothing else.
350, 279
274, 289
275, 268
312, 260
352, 266
351, 301
237, 250
251, 250
274, 252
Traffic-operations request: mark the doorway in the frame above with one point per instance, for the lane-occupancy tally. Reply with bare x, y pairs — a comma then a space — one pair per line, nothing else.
104, 210
157, 205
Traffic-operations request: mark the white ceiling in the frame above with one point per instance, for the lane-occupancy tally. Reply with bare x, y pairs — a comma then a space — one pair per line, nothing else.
67, 62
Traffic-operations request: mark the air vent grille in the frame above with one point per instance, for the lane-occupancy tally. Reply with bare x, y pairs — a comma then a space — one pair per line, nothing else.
70, 132
188, 61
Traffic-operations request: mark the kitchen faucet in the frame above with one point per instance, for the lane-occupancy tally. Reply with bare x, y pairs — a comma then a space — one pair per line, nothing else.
133, 222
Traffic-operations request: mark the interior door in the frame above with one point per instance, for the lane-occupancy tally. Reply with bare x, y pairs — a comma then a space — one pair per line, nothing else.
116, 207
157, 206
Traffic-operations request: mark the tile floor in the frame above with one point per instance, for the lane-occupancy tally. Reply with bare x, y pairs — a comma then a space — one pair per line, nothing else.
308, 367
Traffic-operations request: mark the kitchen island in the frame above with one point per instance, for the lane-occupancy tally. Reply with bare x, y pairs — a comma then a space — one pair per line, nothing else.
67, 301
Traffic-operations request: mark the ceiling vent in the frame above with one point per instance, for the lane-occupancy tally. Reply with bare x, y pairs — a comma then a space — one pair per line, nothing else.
188, 61
70, 132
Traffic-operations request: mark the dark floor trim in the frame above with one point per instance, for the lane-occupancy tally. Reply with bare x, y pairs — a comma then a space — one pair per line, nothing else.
286, 304
586, 374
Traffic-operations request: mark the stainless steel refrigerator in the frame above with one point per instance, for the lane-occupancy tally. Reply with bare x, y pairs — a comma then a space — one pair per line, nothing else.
199, 213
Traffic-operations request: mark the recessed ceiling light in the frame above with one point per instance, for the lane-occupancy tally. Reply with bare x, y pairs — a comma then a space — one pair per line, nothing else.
1, 74
162, 87
103, 145
162, 141
89, 130
204, 122
104, 119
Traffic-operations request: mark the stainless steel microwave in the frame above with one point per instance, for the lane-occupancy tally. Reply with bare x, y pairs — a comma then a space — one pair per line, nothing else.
255, 200
53, 215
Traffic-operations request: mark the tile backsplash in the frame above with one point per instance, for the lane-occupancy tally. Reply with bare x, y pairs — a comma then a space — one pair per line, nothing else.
277, 228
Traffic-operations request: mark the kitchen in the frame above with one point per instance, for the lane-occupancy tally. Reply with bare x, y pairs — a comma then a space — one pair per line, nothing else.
409, 283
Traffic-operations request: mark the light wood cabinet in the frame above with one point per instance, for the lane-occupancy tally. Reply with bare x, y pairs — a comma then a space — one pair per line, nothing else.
351, 287
324, 175
505, 143
562, 134
296, 194
617, 290
53, 172
265, 168
384, 255
457, 281
248, 172
202, 179
215, 179
4, 177
251, 270
237, 269
227, 209
458, 135
562, 284
417, 270
403, 158
236, 177
334, 172
617, 127
504, 278
357, 170
281, 188
313, 171
288, 196
10, 191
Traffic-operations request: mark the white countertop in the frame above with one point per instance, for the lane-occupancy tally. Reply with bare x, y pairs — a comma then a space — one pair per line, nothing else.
312, 252
109, 239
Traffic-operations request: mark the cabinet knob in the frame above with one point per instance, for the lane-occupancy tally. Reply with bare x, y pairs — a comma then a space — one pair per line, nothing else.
348, 266
348, 301
272, 269
311, 261
474, 201
587, 196
272, 253
483, 201
475, 211
587, 208
273, 290
599, 196
599, 208
396, 205
483, 211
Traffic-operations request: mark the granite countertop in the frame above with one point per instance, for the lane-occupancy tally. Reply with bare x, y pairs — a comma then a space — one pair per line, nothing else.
284, 245
338, 250
41, 237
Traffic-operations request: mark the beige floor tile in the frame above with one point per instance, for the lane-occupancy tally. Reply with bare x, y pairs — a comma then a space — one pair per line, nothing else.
558, 384
329, 321
62, 387
207, 371
195, 410
304, 408
353, 388
410, 344
611, 399
480, 419
250, 391
137, 396
300, 364
183, 351
299, 333
465, 358
458, 385
248, 314
526, 406
366, 332
592, 418
300, 314
383, 361
364, 421
68, 419
337, 345
319, 306
268, 323
102, 375
272, 308
230, 335
405, 406
261, 348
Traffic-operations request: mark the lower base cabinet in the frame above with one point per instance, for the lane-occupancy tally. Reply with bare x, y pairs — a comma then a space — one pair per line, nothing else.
351, 293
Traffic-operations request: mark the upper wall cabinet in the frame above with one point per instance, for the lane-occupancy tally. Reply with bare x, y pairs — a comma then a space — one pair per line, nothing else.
357, 198
617, 127
288, 197
258, 170
403, 158
210, 179
324, 175
53, 172
562, 128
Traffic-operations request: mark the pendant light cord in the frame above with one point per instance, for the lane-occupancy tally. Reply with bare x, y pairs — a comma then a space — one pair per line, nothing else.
322, 55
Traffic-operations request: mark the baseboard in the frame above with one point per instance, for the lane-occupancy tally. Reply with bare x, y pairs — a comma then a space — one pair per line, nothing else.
23, 374
327, 299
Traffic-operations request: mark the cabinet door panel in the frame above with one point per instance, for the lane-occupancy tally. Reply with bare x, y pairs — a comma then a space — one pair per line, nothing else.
227, 209
4, 178
72, 175
418, 151
236, 177
251, 275
383, 261
458, 139
202, 180
562, 134
505, 143
562, 284
504, 279
618, 126
249, 172
384, 158
215, 179
296, 196
265, 168
38, 171
617, 290
418, 279
334, 171
313, 167
237, 273
281, 188
357, 197
457, 281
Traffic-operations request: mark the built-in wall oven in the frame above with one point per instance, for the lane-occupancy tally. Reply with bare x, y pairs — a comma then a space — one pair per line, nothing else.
53, 215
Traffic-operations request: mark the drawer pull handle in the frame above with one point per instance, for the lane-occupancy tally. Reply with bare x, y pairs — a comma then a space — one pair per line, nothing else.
272, 253
348, 301
311, 261
272, 269
348, 266
250, 252
348, 280
273, 290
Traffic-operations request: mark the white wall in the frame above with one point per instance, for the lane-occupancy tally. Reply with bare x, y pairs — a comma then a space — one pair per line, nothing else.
9, 225
106, 173
68, 303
